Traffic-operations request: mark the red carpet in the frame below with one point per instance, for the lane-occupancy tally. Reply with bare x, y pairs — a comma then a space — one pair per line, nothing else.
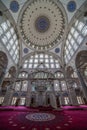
71, 118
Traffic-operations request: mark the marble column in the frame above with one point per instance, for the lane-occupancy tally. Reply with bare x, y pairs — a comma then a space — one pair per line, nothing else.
53, 100
68, 91
84, 87
67, 85
28, 95
62, 102
1, 79
9, 94
53, 97
8, 97
40, 98
72, 95
44, 98
36, 98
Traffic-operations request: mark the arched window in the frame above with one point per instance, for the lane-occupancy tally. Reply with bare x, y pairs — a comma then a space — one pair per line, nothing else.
59, 75
41, 75
74, 75
18, 86
63, 85
23, 75
75, 85
56, 86
22, 84
41, 61
8, 75
85, 71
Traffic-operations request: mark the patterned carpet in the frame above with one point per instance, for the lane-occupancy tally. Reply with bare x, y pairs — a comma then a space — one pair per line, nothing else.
55, 119
40, 116
23, 119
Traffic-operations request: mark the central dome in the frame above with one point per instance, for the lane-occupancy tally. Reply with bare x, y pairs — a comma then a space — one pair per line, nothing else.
42, 24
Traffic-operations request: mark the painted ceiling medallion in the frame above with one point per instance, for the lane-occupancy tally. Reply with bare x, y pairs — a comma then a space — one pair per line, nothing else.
14, 6
42, 24
26, 50
57, 50
71, 6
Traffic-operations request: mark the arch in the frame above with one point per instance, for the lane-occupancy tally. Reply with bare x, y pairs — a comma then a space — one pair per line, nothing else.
3, 65
76, 33
42, 52
23, 74
42, 75
81, 64
81, 59
69, 71
12, 71
59, 74
9, 38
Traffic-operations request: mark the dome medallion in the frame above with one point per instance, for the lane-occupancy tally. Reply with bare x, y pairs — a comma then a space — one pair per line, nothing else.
42, 24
